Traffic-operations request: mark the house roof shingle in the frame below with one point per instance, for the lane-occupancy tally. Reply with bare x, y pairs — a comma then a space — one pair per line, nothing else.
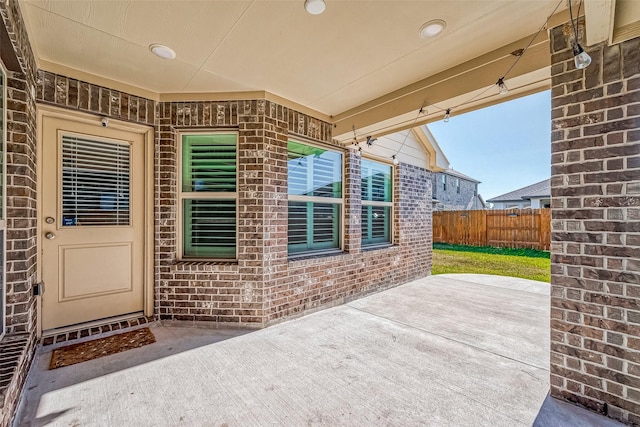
457, 174
539, 189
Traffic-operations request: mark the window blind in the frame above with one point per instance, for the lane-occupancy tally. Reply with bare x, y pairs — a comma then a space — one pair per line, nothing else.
376, 199
313, 226
314, 175
209, 163
314, 171
209, 228
95, 182
208, 193
375, 224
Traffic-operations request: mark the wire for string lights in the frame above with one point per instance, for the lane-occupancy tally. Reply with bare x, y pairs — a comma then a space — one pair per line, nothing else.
502, 87
395, 156
580, 57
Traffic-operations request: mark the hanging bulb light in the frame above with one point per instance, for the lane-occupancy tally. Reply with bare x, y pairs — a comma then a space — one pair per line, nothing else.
395, 160
447, 115
580, 57
359, 152
501, 86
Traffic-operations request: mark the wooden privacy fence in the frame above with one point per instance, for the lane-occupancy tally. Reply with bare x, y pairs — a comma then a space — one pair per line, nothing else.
527, 228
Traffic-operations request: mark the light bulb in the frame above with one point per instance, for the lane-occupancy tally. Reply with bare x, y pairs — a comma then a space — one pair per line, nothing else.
447, 115
502, 87
359, 152
581, 58
395, 160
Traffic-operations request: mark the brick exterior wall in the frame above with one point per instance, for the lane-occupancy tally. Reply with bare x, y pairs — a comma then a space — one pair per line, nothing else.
263, 286
20, 317
595, 185
62, 91
450, 199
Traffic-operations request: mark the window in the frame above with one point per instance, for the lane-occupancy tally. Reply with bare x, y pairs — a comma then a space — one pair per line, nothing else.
315, 198
377, 202
444, 182
95, 182
207, 195
457, 185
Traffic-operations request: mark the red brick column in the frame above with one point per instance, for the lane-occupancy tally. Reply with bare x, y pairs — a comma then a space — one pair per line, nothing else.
352, 202
595, 186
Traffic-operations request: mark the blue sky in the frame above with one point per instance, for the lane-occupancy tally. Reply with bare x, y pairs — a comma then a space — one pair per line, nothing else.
506, 146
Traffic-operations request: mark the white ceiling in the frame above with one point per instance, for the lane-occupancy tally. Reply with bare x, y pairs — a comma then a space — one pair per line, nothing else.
354, 52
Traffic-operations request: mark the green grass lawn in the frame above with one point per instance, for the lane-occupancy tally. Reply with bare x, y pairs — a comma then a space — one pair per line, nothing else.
524, 263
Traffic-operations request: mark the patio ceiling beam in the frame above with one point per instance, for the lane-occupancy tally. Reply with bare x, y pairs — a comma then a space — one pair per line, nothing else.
599, 20
399, 110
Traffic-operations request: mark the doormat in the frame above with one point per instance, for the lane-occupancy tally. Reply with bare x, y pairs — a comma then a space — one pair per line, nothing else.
81, 352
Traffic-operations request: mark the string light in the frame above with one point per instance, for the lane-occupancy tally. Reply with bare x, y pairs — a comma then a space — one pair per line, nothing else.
502, 87
370, 140
582, 60
580, 57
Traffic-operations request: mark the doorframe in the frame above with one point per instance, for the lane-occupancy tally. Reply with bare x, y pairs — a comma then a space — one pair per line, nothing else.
43, 111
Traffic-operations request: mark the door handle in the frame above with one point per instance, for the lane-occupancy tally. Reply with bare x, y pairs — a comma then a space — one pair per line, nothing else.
49, 235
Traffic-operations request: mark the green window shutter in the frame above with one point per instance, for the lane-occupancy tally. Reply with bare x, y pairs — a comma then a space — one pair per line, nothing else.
376, 224
376, 195
209, 195
375, 181
209, 228
209, 163
313, 173
313, 226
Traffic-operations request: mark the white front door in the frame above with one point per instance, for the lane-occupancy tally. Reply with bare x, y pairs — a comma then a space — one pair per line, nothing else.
92, 221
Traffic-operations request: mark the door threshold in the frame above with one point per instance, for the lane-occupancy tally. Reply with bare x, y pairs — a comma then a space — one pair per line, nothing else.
96, 327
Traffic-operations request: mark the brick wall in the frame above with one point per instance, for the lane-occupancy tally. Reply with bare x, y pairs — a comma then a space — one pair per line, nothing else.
21, 212
62, 91
595, 296
450, 199
323, 281
263, 285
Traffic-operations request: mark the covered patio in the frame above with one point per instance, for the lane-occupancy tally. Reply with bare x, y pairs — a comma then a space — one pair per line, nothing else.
443, 350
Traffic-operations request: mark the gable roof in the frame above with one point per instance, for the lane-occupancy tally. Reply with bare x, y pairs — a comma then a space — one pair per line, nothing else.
457, 174
537, 190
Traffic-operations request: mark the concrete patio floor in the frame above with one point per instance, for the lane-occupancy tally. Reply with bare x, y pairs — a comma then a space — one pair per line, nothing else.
449, 350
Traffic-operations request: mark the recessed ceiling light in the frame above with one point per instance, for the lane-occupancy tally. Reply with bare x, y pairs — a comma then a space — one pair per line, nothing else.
315, 7
162, 51
432, 28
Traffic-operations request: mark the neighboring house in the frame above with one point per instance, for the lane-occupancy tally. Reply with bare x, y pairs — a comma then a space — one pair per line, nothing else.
451, 190
454, 191
534, 196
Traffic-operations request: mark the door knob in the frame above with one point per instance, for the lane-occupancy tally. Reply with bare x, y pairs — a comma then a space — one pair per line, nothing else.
50, 235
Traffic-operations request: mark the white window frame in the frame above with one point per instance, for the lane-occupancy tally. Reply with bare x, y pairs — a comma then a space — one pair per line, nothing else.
316, 199
181, 195
386, 204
